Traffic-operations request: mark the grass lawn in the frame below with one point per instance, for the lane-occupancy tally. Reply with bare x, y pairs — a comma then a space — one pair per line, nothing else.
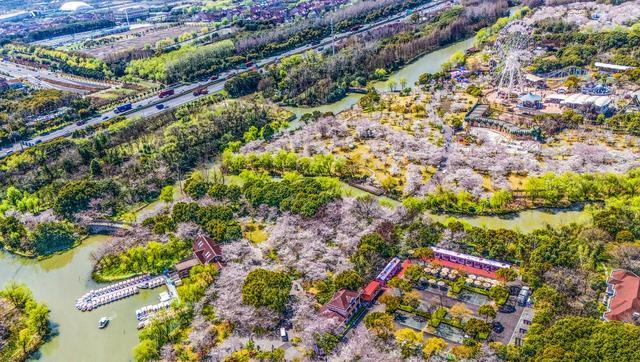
254, 232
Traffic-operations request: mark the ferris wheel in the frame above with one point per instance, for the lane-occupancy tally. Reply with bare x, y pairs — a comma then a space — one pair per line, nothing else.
512, 49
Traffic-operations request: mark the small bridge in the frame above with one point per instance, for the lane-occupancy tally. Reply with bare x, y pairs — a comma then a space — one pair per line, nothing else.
107, 227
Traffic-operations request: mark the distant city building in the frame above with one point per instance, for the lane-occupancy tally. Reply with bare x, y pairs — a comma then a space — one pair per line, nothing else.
14, 17
130, 13
585, 101
623, 297
535, 81
75, 6
595, 89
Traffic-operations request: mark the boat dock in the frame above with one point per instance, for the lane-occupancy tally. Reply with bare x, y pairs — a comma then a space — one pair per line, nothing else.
114, 292
144, 314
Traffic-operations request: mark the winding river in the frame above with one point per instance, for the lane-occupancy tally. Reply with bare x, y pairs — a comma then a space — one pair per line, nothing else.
59, 280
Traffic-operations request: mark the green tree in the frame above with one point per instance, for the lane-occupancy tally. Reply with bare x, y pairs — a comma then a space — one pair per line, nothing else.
146, 350
49, 237
166, 194
487, 311
95, 169
379, 323
348, 279
251, 135
266, 288
266, 132
433, 346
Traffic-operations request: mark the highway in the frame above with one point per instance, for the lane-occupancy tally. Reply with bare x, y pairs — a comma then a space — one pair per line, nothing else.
184, 93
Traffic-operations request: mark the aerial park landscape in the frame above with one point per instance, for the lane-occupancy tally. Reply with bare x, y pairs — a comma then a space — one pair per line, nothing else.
320, 180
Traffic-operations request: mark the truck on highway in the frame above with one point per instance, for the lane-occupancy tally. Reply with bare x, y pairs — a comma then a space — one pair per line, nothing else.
201, 91
122, 108
166, 92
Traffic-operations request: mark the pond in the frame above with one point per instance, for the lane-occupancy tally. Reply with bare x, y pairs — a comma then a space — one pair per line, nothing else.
524, 221
58, 281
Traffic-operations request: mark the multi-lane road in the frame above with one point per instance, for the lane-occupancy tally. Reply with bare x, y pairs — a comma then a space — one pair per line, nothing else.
184, 93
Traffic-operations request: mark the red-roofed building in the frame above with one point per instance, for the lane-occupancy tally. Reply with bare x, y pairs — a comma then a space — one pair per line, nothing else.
371, 291
206, 250
403, 268
344, 304
623, 290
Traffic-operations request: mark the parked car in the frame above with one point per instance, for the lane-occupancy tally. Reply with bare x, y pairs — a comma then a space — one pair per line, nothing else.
497, 327
507, 308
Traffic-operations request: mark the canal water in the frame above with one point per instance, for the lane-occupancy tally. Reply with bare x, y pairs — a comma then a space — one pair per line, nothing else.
58, 281
429, 63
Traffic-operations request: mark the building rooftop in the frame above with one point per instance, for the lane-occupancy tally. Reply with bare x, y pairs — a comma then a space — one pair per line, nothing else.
75, 6
621, 68
625, 301
478, 259
338, 306
586, 99
187, 264
529, 97
371, 288
206, 249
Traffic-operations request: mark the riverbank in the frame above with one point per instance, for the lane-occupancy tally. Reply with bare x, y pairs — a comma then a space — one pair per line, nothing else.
58, 281
427, 63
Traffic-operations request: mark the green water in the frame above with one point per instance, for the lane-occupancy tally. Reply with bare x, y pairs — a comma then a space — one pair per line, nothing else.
58, 281
428, 63
525, 221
